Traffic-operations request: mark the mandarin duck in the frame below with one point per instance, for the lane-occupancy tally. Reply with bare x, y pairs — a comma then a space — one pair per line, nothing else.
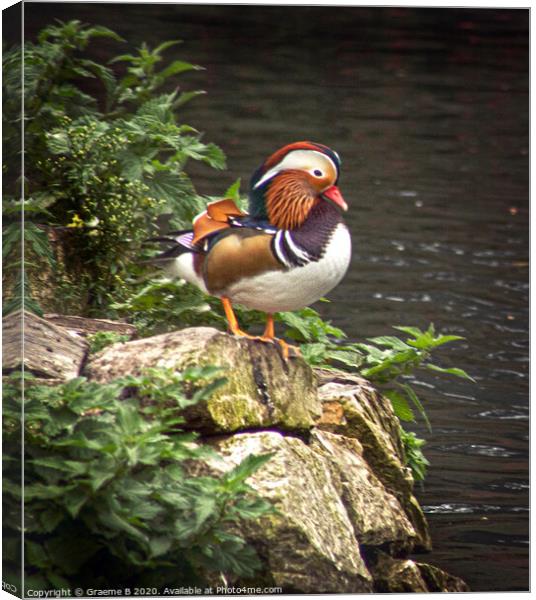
288, 251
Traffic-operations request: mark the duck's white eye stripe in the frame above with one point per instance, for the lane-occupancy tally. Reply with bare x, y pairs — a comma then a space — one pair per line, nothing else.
298, 159
268, 175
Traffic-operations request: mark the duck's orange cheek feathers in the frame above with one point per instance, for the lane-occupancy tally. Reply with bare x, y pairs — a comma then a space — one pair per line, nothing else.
288, 202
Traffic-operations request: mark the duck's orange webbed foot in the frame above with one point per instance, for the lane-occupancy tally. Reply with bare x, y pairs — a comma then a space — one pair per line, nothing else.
234, 328
269, 336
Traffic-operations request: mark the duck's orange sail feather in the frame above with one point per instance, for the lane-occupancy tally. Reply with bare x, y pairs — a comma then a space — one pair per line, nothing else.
215, 218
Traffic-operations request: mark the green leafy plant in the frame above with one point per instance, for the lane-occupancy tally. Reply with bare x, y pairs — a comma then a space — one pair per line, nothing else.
415, 458
105, 155
102, 339
109, 499
321, 344
388, 360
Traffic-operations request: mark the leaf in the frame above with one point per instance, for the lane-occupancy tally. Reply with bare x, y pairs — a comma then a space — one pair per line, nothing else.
245, 469
205, 507
413, 331
443, 339
165, 185
101, 31
400, 405
74, 500
160, 545
233, 191
252, 508
35, 554
118, 523
185, 97
165, 45
450, 371
50, 518
389, 341
414, 398
176, 67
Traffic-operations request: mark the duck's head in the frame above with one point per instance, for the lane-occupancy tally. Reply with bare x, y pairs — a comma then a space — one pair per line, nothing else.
292, 180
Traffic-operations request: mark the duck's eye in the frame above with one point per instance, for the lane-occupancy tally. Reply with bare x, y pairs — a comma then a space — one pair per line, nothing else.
318, 173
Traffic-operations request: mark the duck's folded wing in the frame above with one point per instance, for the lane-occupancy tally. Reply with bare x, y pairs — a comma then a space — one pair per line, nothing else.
239, 254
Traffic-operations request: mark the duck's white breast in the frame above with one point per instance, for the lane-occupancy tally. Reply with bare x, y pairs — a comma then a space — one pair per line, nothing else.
276, 291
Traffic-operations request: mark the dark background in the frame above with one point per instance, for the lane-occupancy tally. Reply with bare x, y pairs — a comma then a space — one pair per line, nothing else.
429, 110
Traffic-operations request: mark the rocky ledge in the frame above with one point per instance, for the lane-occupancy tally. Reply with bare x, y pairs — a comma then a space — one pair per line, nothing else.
347, 519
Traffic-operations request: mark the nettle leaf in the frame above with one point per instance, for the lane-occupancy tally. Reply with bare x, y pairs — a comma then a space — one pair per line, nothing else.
101, 31
450, 371
74, 500
51, 517
35, 554
252, 508
160, 545
205, 507
185, 97
400, 405
233, 191
413, 331
389, 341
165, 45
415, 399
238, 475
176, 67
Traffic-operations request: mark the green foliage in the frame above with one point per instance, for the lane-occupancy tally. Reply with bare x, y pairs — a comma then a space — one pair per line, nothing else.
37, 254
105, 154
389, 362
320, 342
102, 339
415, 458
108, 497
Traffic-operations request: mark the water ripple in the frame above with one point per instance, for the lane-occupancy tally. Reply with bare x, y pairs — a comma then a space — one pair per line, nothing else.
447, 508
499, 413
478, 449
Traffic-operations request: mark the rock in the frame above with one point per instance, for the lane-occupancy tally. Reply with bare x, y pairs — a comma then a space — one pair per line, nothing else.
376, 515
50, 352
85, 326
438, 580
262, 389
397, 575
394, 575
354, 409
329, 502
309, 546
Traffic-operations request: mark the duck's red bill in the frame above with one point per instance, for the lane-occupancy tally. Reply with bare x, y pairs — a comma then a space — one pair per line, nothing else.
333, 193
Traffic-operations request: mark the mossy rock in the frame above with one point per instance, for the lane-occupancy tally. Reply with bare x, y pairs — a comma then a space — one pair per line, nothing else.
263, 389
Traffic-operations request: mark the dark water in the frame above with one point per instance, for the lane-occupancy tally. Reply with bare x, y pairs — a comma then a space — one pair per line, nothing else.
429, 110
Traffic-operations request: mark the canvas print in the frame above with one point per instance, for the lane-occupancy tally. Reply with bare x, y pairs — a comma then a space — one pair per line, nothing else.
265, 299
